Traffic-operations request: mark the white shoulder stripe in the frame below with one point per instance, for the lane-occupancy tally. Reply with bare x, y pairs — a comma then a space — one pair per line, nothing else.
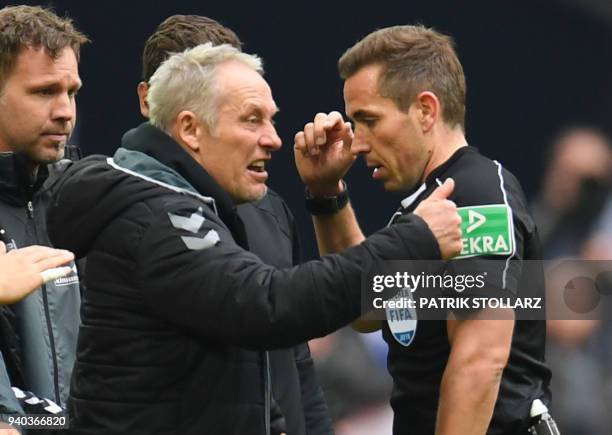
206, 199
407, 202
501, 186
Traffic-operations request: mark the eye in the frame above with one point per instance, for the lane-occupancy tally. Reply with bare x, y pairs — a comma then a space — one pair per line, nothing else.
46, 92
73, 93
370, 122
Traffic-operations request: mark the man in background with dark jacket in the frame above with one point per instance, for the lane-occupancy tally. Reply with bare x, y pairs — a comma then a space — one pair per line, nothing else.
297, 403
39, 80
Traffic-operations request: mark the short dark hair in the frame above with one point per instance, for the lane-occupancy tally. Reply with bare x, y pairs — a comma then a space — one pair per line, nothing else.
180, 32
32, 26
413, 59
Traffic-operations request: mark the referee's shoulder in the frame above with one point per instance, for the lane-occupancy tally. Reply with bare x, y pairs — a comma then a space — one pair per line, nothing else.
479, 181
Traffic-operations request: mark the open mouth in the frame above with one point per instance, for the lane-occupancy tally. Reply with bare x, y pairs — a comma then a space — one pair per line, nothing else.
377, 171
375, 167
257, 166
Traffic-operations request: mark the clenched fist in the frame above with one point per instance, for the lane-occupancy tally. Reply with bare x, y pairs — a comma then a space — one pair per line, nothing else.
322, 153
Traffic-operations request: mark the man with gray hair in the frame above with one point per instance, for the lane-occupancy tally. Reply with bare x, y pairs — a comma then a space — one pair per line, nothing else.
174, 292
287, 375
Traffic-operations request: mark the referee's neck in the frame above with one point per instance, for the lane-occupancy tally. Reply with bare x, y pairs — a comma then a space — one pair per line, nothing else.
445, 142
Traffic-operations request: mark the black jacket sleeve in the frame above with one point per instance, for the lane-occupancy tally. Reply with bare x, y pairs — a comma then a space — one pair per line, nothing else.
316, 414
225, 293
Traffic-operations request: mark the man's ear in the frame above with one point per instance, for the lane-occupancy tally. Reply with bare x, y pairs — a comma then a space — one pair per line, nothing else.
142, 90
188, 130
428, 109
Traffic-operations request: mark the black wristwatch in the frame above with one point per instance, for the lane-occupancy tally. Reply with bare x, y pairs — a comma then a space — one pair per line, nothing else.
326, 205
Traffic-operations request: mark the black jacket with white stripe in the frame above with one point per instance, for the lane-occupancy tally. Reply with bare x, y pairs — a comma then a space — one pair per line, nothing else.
290, 385
173, 296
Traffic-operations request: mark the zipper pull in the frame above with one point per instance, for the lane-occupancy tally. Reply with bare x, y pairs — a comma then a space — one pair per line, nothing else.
4, 238
30, 210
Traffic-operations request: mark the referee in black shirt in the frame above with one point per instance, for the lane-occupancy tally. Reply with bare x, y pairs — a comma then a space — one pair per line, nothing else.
405, 91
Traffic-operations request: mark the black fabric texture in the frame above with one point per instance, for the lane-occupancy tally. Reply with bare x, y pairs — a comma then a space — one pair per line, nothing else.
164, 326
417, 369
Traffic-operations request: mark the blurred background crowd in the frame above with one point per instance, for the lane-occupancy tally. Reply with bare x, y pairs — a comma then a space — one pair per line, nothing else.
539, 100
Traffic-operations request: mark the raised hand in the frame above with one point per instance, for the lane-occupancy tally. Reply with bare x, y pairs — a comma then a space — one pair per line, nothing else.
322, 153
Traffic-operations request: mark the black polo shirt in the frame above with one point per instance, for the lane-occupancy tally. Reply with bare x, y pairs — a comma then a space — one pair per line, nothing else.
417, 367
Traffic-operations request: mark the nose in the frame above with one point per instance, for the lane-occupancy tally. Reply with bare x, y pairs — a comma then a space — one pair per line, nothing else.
64, 108
270, 139
360, 145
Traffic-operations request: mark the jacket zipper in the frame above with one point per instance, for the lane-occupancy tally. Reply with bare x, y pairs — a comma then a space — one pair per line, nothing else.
268, 390
47, 318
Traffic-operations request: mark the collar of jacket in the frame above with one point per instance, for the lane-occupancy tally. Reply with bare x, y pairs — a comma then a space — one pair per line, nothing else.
146, 167
17, 184
155, 143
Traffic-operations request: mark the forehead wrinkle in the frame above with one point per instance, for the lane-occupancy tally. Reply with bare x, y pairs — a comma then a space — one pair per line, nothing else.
62, 69
241, 98
364, 103
259, 105
51, 80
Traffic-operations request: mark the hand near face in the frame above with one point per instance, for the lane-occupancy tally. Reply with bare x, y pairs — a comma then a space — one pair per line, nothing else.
322, 153
441, 216
20, 270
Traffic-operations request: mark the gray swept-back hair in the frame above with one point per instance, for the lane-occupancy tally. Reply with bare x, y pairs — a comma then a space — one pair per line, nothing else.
186, 81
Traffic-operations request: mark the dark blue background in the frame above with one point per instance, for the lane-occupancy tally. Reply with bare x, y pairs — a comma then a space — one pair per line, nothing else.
532, 67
